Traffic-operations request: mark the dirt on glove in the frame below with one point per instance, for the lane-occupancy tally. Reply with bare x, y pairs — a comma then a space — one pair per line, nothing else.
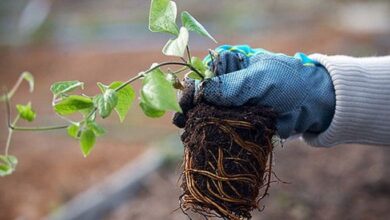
227, 160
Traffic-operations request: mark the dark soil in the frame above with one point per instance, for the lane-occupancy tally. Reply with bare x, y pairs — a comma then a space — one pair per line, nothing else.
226, 159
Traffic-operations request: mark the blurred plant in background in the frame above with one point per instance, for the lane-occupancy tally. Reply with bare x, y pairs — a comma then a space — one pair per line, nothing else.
121, 22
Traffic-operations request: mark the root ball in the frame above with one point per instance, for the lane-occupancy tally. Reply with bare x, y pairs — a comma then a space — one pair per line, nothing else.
227, 159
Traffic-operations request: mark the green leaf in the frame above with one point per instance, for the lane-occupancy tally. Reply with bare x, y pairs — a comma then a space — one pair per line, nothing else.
193, 75
150, 111
158, 93
106, 102
198, 64
162, 17
7, 165
73, 131
177, 46
89, 112
24, 76
60, 88
10, 160
72, 104
193, 25
209, 74
102, 87
26, 112
5, 170
97, 129
87, 141
125, 96
30, 79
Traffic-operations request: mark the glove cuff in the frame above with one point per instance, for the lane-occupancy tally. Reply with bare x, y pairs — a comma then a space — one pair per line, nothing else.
362, 114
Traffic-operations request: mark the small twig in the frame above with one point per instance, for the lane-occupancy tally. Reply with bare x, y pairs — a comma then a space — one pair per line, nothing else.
142, 74
8, 142
180, 70
188, 53
214, 59
92, 112
7, 108
10, 131
11, 125
211, 53
9, 94
48, 128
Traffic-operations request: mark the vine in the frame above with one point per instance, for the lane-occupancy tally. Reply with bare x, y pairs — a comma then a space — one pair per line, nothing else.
157, 94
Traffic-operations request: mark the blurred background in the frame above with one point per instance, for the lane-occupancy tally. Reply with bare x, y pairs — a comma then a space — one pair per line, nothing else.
133, 171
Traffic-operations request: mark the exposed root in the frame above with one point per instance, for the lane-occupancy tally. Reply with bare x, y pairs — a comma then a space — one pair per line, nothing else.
227, 160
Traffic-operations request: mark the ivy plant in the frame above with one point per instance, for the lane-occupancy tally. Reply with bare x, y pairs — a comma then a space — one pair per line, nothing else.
157, 94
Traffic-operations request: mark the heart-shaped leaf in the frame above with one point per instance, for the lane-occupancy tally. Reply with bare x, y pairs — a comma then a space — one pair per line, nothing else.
150, 111
87, 141
106, 102
125, 96
158, 93
162, 17
192, 24
7, 165
177, 46
30, 79
96, 128
74, 130
72, 104
60, 88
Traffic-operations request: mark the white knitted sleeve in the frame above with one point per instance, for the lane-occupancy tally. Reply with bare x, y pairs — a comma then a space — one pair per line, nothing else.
362, 113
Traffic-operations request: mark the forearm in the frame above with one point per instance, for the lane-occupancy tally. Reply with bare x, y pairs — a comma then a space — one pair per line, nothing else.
362, 114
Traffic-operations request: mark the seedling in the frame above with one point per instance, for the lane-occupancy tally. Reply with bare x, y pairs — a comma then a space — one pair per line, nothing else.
224, 167
157, 95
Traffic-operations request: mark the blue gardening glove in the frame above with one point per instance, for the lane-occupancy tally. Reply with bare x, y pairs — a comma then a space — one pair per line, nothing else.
298, 88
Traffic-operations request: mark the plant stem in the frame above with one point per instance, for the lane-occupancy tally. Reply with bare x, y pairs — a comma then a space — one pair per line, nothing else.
214, 55
211, 53
9, 137
180, 70
93, 111
12, 127
188, 53
141, 74
9, 94
10, 132
48, 128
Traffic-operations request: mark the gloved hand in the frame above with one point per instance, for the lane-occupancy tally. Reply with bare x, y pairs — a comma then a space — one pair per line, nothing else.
232, 59
299, 89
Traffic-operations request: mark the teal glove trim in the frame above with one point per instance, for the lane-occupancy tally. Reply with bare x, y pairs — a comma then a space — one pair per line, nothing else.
245, 50
306, 60
248, 52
